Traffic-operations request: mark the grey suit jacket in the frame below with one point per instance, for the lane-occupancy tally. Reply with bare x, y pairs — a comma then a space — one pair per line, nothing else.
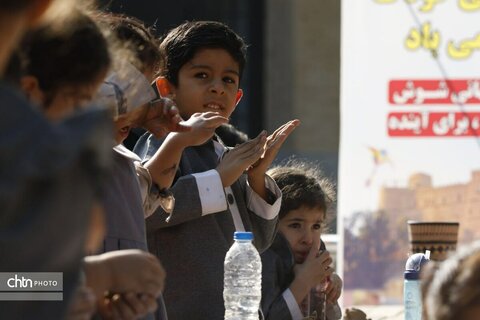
192, 247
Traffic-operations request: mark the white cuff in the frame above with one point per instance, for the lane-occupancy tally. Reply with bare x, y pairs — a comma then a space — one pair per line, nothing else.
256, 203
210, 190
232, 204
292, 305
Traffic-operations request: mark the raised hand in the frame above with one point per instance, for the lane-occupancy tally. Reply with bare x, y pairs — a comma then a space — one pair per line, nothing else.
202, 127
274, 143
238, 159
256, 173
164, 163
162, 117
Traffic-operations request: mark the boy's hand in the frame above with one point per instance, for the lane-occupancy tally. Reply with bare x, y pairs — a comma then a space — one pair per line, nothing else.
202, 127
162, 117
256, 173
238, 159
125, 271
274, 143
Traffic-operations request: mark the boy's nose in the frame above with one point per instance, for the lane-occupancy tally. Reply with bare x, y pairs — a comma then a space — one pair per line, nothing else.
217, 87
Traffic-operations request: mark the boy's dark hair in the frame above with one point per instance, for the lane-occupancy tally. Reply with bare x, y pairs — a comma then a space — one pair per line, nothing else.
181, 44
302, 185
137, 37
75, 53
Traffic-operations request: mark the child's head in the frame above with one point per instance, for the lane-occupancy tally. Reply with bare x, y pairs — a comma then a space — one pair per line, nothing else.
139, 62
306, 198
132, 34
123, 123
454, 289
64, 65
127, 93
202, 68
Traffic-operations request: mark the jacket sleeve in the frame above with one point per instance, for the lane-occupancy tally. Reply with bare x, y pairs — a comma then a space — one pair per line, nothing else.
196, 194
263, 226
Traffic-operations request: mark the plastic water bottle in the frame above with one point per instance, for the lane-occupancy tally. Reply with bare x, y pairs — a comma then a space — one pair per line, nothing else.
412, 295
242, 290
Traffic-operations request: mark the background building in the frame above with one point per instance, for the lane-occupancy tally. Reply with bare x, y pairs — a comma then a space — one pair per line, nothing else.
423, 201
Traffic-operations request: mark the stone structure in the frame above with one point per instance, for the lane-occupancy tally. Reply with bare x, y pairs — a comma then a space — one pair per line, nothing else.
422, 201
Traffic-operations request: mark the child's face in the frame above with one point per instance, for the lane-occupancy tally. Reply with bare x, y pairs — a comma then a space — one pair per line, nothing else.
70, 98
65, 100
125, 122
300, 227
208, 82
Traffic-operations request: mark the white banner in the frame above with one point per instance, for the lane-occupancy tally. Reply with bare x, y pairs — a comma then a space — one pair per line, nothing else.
410, 121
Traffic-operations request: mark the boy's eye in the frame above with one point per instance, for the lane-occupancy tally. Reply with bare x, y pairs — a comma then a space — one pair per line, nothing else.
201, 75
316, 226
295, 225
229, 80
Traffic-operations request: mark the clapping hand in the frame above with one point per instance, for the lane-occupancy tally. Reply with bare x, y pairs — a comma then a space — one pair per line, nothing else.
238, 159
162, 117
273, 145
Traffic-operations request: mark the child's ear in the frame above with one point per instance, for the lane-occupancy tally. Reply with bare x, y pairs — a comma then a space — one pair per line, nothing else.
31, 88
238, 97
165, 88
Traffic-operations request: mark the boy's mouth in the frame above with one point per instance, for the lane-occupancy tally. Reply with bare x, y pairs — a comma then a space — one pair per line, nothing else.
214, 106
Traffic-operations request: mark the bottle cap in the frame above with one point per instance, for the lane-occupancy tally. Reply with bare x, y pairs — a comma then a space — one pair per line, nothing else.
242, 235
414, 265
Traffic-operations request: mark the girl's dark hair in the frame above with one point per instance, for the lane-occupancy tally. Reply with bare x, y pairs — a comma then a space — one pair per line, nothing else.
137, 38
75, 53
302, 184
181, 44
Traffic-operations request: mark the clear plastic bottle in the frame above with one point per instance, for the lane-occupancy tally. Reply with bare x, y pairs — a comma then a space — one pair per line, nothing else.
411, 291
242, 290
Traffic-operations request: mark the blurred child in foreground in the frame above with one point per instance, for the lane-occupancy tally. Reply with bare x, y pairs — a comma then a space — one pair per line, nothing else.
452, 288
